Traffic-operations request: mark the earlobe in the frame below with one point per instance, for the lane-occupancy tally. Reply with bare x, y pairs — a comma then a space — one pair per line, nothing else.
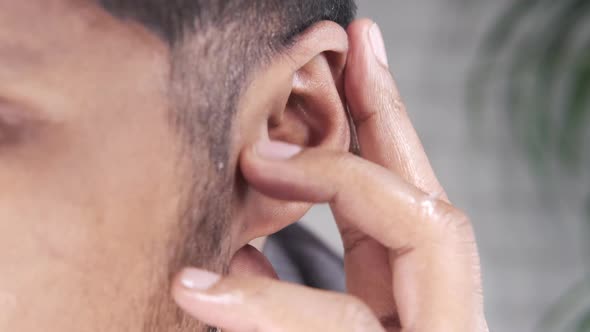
298, 99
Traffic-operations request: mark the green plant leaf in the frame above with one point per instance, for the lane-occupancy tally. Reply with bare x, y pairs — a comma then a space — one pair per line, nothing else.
547, 96
584, 324
546, 125
555, 42
577, 109
569, 302
494, 43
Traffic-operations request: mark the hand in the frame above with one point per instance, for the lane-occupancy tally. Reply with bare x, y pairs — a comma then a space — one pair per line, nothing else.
410, 256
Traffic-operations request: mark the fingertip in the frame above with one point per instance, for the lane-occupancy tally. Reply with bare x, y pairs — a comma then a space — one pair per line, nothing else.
359, 25
276, 150
359, 39
197, 293
367, 62
189, 283
266, 152
194, 279
268, 161
359, 49
378, 45
252, 166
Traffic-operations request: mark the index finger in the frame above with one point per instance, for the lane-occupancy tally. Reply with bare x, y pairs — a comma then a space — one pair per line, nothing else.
433, 257
385, 132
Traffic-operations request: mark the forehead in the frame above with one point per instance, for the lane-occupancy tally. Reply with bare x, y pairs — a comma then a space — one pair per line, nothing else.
49, 21
50, 46
69, 59
33, 30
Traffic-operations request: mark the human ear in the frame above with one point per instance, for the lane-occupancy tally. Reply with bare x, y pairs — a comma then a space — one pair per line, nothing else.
298, 98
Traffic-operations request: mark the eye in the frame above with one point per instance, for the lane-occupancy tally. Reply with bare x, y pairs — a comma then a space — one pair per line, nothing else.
16, 122
8, 135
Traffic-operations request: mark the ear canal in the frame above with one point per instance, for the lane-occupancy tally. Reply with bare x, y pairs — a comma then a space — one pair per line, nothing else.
314, 114
295, 125
299, 101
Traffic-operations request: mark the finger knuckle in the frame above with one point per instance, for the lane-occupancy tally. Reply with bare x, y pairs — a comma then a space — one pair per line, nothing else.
392, 102
462, 226
343, 159
454, 215
346, 163
450, 218
258, 290
397, 104
359, 317
391, 321
353, 239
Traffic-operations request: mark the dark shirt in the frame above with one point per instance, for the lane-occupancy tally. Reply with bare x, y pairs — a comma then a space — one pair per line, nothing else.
300, 257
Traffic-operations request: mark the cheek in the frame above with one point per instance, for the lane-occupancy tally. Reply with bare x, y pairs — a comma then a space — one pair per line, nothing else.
99, 185
89, 203
94, 179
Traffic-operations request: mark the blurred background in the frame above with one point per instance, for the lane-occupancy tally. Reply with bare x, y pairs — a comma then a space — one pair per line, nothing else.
500, 94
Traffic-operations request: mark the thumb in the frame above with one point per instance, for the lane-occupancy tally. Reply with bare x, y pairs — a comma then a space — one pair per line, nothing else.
261, 304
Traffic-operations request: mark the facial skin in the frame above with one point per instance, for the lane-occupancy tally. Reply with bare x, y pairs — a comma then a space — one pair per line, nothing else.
102, 200
411, 259
118, 170
91, 175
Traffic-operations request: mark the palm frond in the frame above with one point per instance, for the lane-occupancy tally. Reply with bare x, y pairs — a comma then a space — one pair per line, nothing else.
545, 123
547, 96
584, 324
578, 102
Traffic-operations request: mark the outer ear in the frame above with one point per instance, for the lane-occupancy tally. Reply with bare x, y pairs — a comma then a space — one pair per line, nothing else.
298, 98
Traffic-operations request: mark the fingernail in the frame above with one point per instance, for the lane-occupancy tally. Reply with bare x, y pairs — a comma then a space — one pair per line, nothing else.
378, 45
275, 150
199, 280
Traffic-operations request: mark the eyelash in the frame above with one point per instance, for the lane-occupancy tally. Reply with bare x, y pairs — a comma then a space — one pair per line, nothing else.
9, 135
14, 123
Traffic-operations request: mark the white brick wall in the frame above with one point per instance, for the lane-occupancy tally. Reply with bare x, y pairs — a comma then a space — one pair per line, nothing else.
531, 251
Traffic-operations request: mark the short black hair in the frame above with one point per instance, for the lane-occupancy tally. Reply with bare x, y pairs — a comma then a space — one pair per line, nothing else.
171, 19
215, 46
236, 36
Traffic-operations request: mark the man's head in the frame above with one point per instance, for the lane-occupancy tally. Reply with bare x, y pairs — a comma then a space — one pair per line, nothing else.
121, 123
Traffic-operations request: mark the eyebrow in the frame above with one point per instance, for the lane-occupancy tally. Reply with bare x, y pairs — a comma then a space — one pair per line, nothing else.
11, 120
17, 121
14, 55
10, 113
